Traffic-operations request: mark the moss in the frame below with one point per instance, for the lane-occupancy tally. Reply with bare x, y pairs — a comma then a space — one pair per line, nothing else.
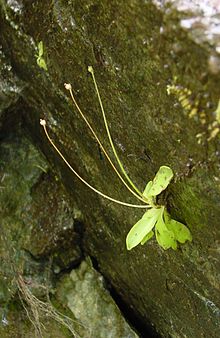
136, 51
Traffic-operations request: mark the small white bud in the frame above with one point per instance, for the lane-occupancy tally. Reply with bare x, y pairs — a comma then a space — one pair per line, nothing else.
42, 122
68, 86
90, 69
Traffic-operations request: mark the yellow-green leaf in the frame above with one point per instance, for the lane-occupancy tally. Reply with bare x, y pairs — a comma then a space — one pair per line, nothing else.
142, 228
164, 236
218, 112
181, 232
41, 63
147, 237
40, 48
147, 189
160, 182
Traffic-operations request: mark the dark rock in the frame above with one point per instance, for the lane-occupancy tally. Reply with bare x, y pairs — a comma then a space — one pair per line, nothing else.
10, 86
137, 50
37, 223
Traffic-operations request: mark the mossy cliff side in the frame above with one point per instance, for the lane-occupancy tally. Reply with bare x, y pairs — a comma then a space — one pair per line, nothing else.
138, 50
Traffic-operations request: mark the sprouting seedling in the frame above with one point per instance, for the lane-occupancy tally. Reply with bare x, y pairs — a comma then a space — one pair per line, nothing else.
40, 60
167, 231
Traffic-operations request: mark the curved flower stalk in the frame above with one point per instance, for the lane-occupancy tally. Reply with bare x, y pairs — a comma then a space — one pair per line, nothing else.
156, 219
43, 124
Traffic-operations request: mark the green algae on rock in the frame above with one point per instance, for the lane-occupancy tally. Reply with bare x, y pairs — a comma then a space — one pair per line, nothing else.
138, 50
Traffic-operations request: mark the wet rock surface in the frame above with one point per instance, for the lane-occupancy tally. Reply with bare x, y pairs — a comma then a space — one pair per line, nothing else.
34, 207
83, 292
27, 216
19, 171
138, 51
10, 86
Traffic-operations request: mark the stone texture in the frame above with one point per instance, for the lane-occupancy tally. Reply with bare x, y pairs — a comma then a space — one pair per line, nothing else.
137, 50
35, 221
10, 86
84, 293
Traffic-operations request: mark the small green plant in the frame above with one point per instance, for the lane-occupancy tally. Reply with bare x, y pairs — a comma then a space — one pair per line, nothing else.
168, 231
40, 60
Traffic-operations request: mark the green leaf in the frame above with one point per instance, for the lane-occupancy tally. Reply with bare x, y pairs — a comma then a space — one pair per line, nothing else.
181, 232
149, 199
142, 228
147, 237
147, 189
40, 48
218, 112
41, 63
160, 182
165, 237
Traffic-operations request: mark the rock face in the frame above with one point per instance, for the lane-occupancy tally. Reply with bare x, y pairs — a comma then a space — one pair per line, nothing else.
10, 87
141, 52
31, 202
83, 292
40, 239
